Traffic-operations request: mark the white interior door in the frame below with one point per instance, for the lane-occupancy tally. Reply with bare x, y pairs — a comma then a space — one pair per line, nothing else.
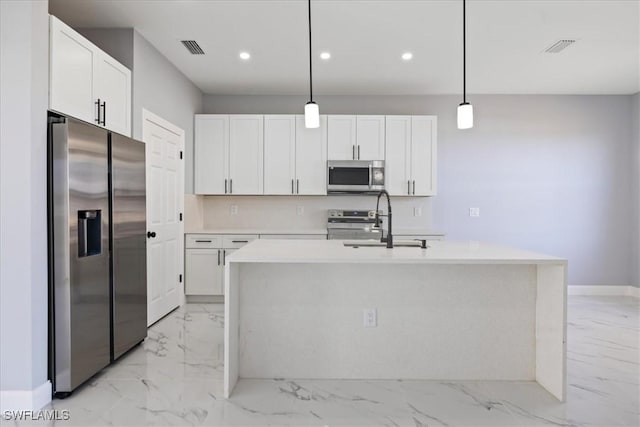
165, 200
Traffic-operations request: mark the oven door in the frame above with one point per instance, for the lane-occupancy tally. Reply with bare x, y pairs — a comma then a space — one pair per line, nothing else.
345, 176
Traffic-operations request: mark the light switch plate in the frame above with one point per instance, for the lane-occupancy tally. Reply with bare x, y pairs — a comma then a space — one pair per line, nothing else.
474, 212
370, 317
417, 211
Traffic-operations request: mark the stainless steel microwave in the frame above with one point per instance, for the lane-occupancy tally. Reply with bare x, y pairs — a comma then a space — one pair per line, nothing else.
355, 176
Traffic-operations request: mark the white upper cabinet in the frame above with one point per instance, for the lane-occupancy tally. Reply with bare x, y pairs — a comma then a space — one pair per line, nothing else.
370, 138
72, 72
356, 137
341, 132
85, 82
211, 154
311, 158
228, 154
246, 147
295, 158
411, 153
279, 154
114, 92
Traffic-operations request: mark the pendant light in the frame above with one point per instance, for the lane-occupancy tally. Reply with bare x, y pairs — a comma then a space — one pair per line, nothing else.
465, 110
311, 110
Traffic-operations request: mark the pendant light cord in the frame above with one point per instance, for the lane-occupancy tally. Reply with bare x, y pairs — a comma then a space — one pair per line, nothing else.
464, 51
310, 57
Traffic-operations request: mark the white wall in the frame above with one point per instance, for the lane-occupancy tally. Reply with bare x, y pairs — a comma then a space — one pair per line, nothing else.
635, 160
23, 210
117, 42
159, 87
549, 173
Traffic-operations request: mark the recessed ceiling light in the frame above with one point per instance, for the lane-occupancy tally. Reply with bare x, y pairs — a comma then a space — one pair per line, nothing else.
325, 55
407, 56
245, 55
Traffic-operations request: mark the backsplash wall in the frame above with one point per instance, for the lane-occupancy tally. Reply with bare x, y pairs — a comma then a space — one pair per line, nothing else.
281, 212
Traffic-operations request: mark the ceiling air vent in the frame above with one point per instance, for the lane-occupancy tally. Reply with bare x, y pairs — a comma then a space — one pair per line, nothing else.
193, 47
559, 46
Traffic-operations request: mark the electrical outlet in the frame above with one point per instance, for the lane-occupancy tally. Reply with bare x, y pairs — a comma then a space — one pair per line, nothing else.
234, 209
417, 211
474, 212
300, 210
370, 317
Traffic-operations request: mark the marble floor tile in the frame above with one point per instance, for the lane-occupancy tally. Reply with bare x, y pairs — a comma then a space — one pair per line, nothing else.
176, 378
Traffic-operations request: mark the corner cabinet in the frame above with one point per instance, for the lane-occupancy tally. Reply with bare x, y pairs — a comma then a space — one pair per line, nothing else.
85, 82
411, 154
229, 153
295, 158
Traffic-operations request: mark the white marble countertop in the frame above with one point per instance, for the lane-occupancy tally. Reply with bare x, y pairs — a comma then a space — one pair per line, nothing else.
314, 231
333, 251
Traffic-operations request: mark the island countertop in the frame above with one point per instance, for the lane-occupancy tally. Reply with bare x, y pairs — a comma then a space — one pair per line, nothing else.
334, 251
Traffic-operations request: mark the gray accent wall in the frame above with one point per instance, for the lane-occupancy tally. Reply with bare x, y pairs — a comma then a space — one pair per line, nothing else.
24, 92
549, 173
157, 86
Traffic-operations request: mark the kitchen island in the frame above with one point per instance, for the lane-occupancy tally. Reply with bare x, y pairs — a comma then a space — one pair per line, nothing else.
317, 309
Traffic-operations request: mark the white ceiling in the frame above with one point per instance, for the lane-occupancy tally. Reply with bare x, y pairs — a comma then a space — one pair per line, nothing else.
505, 44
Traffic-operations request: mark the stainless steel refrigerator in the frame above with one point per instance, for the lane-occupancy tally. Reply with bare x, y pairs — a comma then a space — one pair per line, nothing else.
97, 249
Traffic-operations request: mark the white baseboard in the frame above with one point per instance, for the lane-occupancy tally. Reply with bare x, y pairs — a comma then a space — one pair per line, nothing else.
605, 290
25, 400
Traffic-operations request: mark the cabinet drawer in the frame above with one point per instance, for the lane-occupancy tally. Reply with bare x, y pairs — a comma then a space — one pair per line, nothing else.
202, 241
237, 241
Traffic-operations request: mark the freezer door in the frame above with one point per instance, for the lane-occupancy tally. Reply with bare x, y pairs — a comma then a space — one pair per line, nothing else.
129, 243
80, 251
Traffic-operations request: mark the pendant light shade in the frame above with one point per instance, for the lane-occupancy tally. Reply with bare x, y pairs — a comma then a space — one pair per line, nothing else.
311, 109
465, 110
465, 116
311, 115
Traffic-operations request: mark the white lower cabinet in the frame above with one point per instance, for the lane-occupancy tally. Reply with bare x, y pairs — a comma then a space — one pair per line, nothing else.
205, 258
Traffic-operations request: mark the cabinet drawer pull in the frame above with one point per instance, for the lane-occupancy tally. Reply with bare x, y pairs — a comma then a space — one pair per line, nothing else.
203, 241
239, 241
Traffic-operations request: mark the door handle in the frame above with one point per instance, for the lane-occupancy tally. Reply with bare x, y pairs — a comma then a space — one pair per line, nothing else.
231, 186
414, 187
224, 257
297, 186
151, 234
218, 256
98, 105
408, 187
225, 186
358, 151
239, 241
353, 152
104, 113
202, 241
292, 192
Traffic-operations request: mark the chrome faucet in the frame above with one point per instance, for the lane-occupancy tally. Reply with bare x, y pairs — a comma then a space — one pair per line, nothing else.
389, 238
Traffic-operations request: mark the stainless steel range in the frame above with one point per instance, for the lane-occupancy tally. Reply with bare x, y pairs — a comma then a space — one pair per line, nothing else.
352, 225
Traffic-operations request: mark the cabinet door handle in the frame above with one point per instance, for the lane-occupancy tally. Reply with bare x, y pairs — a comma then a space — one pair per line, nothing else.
414, 187
358, 152
231, 186
292, 192
104, 113
408, 187
224, 257
98, 105
353, 152
239, 241
218, 256
203, 241
297, 186
225, 186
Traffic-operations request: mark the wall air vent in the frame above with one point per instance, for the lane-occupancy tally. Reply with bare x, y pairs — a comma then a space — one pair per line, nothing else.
193, 47
559, 45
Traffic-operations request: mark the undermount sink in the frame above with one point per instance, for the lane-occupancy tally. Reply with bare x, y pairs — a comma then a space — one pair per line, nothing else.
377, 244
